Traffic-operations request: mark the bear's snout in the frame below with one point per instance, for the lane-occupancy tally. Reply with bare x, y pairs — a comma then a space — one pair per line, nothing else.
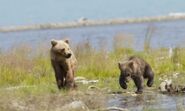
68, 55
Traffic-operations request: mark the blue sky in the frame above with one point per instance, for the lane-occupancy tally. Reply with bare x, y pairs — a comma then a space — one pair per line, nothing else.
23, 12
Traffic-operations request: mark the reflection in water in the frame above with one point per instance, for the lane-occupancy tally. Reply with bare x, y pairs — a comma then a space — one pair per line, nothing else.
148, 101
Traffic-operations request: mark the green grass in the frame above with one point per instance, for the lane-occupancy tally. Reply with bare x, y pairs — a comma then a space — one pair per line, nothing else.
24, 69
32, 69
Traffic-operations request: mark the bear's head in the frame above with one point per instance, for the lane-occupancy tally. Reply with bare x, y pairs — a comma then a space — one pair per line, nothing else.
61, 48
126, 69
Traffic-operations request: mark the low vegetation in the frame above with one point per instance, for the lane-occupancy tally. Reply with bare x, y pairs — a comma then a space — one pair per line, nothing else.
26, 73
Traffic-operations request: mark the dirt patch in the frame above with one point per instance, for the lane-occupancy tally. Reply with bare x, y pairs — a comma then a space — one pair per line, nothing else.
58, 101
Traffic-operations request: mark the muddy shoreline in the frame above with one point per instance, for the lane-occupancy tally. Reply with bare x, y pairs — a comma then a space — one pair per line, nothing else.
87, 22
90, 100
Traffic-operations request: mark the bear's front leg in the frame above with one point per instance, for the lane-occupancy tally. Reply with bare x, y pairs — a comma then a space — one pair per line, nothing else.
139, 84
60, 83
150, 81
58, 74
122, 82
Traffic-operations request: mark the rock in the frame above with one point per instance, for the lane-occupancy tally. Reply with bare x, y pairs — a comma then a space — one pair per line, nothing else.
87, 81
75, 105
175, 75
162, 87
165, 85
168, 87
83, 80
18, 106
93, 87
79, 78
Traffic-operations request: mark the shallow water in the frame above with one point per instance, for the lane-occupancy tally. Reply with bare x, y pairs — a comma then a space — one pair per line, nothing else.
148, 101
165, 34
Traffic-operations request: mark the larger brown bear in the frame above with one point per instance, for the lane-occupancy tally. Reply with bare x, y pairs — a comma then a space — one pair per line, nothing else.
137, 69
64, 63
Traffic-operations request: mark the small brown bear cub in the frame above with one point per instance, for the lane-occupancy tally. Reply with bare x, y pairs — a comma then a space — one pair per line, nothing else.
64, 63
137, 69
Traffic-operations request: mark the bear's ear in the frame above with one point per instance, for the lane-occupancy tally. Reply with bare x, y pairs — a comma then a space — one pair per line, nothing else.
131, 64
120, 65
53, 42
66, 41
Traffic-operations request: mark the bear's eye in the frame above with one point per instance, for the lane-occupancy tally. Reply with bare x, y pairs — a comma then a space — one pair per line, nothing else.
62, 50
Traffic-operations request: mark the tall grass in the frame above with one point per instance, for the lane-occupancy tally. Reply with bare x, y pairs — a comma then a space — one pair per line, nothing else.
26, 66
19, 66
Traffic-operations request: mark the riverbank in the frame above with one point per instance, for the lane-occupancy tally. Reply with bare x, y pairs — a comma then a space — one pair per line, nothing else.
87, 22
27, 81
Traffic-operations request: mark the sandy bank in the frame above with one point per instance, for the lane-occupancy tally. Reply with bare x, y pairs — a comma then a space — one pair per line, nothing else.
87, 22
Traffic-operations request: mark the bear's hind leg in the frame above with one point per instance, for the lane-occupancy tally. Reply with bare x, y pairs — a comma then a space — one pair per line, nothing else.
69, 80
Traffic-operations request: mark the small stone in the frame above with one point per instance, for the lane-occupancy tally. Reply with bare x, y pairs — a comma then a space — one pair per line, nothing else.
75, 105
163, 87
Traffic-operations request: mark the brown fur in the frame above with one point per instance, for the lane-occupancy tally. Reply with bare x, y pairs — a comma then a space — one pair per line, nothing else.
64, 63
137, 69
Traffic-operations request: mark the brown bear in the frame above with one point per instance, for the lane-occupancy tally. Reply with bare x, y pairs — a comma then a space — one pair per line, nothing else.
137, 69
64, 63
